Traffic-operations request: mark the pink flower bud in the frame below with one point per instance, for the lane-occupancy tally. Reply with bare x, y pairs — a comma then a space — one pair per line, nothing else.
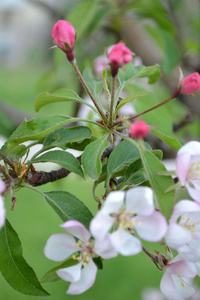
64, 36
118, 56
190, 84
139, 129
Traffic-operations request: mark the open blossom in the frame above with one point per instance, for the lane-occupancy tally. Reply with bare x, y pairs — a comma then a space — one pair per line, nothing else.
190, 84
64, 36
183, 232
139, 129
118, 56
175, 281
60, 246
125, 213
2, 207
188, 168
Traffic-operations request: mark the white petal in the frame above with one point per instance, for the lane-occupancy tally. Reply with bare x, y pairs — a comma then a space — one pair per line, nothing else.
151, 228
184, 206
2, 186
88, 276
113, 202
177, 236
183, 161
125, 243
104, 248
182, 287
194, 192
60, 246
140, 200
2, 212
71, 274
168, 288
189, 253
192, 148
100, 225
77, 229
181, 267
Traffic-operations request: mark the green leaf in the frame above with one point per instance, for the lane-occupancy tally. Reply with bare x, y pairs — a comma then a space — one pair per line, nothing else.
95, 85
135, 174
69, 207
169, 139
62, 158
63, 136
131, 98
35, 129
91, 158
13, 266
51, 275
82, 16
59, 96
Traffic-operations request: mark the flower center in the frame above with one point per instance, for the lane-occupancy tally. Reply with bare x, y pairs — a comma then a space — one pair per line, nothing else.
194, 171
125, 219
187, 224
85, 252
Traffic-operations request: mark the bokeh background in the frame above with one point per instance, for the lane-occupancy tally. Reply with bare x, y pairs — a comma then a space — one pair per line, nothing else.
159, 32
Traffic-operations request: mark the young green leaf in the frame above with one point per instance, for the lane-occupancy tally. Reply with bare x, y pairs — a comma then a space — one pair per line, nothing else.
13, 266
91, 158
69, 207
62, 158
169, 139
59, 96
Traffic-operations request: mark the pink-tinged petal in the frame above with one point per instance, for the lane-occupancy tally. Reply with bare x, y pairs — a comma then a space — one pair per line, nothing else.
77, 229
60, 246
139, 200
177, 236
2, 212
184, 206
168, 288
151, 228
194, 193
193, 148
88, 276
183, 161
113, 202
182, 267
105, 249
71, 274
100, 226
125, 243
184, 290
2, 186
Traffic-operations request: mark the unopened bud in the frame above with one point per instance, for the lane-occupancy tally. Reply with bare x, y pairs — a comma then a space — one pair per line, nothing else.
139, 130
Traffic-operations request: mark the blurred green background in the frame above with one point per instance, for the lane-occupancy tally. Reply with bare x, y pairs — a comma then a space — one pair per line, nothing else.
158, 33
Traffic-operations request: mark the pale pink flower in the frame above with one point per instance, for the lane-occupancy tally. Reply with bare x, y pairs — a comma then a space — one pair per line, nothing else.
2, 206
125, 213
175, 281
60, 246
139, 129
184, 230
100, 63
190, 84
118, 56
188, 168
64, 36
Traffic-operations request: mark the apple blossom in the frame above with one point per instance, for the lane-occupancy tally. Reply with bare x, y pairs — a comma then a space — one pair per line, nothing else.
188, 168
175, 281
118, 56
2, 207
100, 63
139, 129
127, 213
64, 36
183, 232
190, 84
60, 246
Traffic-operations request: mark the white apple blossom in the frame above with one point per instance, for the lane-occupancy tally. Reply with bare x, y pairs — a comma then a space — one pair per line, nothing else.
184, 230
125, 213
175, 281
188, 168
60, 246
2, 207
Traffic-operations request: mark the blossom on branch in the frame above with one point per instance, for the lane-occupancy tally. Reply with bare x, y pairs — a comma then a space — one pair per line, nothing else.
64, 36
188, 168
190, 84
60, 246
183, 232
123, 215
2, 207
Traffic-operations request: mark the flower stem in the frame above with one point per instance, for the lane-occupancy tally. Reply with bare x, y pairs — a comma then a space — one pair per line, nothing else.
112, 100
120, 120
73, 63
